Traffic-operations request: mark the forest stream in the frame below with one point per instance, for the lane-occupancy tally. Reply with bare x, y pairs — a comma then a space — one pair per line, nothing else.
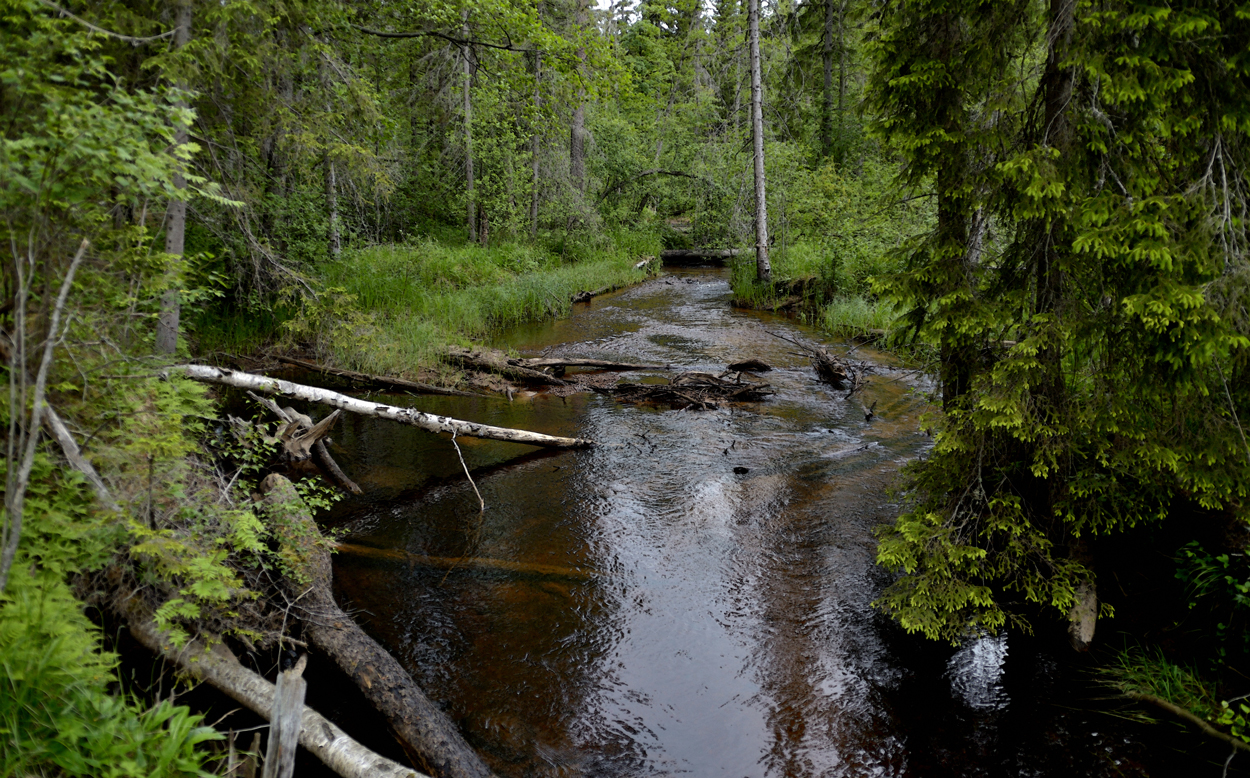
673, 613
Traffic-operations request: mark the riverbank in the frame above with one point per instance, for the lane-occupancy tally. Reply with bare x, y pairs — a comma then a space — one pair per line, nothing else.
396, 309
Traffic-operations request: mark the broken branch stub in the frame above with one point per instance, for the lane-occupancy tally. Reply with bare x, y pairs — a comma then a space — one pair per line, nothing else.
426, 421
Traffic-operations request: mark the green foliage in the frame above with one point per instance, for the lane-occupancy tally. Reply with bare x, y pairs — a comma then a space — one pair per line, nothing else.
405, 304
56, 712
1220, 584
1091, 362
1143, 672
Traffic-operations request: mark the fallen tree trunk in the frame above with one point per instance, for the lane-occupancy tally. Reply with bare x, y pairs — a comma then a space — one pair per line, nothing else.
491, 361
601, 364
377, 381
411, 416
218, 667
683, 256
416, 720
467, 563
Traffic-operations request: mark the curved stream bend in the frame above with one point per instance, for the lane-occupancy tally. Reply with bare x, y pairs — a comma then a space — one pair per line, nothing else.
730, 632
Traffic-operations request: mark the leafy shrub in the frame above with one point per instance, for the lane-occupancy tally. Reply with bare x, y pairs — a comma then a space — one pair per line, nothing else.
55, 709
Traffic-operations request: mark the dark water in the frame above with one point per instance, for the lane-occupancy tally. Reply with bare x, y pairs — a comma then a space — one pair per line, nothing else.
726, 628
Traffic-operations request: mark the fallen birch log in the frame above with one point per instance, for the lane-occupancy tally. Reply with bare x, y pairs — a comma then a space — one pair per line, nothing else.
426, 421
417, 721
218, 667
467, 563
379, 381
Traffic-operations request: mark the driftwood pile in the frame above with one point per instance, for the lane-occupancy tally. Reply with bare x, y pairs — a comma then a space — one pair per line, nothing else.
837, 371
694, 390
547, 371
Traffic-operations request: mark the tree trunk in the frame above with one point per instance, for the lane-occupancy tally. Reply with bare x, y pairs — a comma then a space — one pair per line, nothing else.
826, 107
411, 416
167, 320
471, 202
763, 270
577, 133
417, 721
221, 669
334, 243
536, 139
841, 67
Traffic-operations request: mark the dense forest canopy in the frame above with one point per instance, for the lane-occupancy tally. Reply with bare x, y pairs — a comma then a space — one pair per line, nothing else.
1044, 202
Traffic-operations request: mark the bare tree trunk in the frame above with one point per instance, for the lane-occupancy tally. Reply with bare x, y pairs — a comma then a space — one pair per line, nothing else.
176, 215
221, 669
334, 243
577, 133
23, 437
763, 270
419, 723
841, 66
471, 202
536, 139
826, 106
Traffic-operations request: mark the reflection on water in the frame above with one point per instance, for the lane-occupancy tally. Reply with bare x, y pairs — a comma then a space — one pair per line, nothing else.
730, 630
976, 673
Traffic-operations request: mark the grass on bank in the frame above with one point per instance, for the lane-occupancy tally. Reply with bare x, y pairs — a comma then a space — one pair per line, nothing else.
398, 307
845, 225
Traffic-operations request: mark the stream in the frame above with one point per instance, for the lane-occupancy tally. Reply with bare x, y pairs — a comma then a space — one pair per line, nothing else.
680, 617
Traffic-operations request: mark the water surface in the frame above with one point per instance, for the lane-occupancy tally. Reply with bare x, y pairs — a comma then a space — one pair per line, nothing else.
726, 627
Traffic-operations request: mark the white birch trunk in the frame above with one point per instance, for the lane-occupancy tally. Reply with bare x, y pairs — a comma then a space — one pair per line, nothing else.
411, 416
221, 669
763, 270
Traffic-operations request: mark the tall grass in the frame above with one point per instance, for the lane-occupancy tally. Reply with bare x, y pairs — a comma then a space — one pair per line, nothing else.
1141, 672
411, 301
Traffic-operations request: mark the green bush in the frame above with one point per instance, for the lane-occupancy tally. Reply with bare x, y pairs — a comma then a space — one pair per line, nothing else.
56, 713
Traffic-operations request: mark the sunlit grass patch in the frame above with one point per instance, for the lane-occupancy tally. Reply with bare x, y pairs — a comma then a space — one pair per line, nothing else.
856, 314
420, 298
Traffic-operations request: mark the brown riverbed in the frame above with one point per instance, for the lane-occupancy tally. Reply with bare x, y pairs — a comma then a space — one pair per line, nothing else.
716, 623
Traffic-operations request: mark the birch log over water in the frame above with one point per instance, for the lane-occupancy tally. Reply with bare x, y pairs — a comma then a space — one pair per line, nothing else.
221, 669
411, 416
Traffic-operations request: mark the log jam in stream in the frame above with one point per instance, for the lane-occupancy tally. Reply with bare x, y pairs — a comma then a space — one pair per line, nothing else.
730, 632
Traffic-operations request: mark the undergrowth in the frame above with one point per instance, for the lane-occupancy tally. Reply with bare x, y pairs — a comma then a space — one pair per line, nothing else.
395, 308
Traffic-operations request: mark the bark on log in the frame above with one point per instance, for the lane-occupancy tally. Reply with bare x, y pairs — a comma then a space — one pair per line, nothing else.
476, 563
286, 722
496, 362
321, 455
411, 416
218, 667
601, 364
384, 682
69, 447
377, 381
678, 256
